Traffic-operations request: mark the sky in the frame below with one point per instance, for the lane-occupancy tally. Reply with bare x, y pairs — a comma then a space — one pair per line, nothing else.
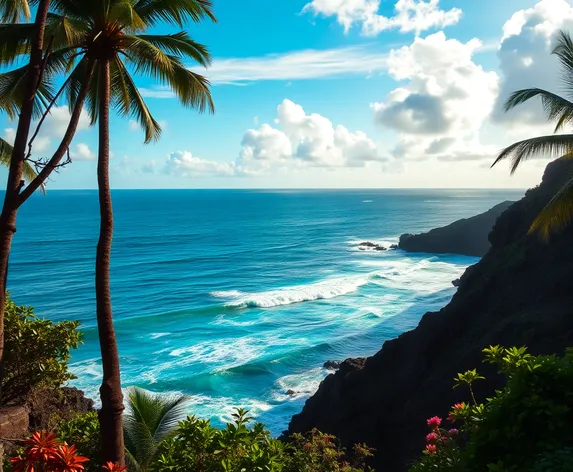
339, 93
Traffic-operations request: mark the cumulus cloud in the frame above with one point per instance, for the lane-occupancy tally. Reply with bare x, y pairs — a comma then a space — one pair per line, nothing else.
82, 153
52, 130
441, 109
298, 141
184, 164
525, 59
409, 15
303, 140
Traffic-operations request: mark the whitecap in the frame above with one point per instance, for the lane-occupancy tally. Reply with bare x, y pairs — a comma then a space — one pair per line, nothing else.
303, 384
286, 296
367, 201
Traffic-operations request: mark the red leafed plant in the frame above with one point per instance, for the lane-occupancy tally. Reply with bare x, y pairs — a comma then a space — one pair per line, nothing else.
114, 467
45, 453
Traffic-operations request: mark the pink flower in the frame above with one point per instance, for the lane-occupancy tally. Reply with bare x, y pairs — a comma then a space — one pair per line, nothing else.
434, 422
431, 448
459, 406
432, 438
453, 432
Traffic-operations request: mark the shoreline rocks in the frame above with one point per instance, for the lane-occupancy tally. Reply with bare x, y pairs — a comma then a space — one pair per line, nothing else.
368, 245
468, 237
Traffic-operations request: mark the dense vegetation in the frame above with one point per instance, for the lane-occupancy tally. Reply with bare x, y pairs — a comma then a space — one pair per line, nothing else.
525, 427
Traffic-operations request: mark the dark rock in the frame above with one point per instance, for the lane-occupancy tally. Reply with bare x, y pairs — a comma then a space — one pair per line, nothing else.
456, 283
48, 406
291, 392
520, 293
468, 237
331, 365
370, 245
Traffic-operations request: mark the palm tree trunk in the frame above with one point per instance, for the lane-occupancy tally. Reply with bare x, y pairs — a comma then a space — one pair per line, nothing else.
110, 415
14, 185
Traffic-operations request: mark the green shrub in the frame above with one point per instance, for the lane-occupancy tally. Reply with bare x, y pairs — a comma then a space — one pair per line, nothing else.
37, 352
526, 427
199, 447
83, 432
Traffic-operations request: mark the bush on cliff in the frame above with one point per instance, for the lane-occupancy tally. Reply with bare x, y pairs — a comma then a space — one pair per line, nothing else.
525, 427
37, 352
198, 446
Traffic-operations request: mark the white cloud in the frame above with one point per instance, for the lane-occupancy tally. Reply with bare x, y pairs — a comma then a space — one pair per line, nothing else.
149, 168
410, 15
52, 130
184, 164
441, 109
525, 59
297, 65
299, 141
83, 153
134, 125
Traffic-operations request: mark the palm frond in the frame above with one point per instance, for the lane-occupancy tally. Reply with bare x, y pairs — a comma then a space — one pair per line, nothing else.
129, 102
12, 87
557, 108
6, 156
124, 13
12, 11
550, 146
179, 44
564, 51
192, 89
149, 419
15, 40
176, 12
556, 215
65, 31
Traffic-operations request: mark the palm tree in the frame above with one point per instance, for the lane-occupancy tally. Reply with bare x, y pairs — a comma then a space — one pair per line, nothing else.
559, 110
149, 419
108, 42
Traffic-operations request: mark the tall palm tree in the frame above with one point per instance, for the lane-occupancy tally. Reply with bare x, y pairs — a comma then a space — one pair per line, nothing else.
107, 41
559, 110
149, 419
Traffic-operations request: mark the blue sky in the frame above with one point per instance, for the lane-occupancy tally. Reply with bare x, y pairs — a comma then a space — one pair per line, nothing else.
341, 93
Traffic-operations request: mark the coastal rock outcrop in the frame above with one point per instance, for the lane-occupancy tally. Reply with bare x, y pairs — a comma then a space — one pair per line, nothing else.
520, 293
468, 236
368, 245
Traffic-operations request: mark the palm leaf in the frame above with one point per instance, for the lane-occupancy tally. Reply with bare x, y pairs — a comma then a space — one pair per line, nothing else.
149, 419
551, 146
6, 150
564, 51
65, 31
179, 44
557, 108
176, 12
557, 214
12, 88
15, 40
12, 11
128, 101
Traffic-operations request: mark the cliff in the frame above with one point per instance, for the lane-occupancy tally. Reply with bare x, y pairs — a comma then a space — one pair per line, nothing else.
468, 236
520, 293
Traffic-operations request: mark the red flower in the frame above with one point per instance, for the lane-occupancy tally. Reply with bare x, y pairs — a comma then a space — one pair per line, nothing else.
68, 460
432, 438
459, 406
114, 467
19, 464
453, 432
431, 448
434, 422
41, 446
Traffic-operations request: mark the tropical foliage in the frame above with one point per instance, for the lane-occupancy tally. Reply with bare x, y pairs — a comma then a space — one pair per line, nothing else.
196, 445
525, 427
37, 352
559, 110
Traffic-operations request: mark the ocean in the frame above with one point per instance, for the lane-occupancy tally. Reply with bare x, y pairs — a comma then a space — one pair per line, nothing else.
238, 297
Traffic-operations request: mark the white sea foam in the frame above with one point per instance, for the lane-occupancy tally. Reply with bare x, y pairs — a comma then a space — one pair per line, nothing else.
303, 385
158, 335
367, 201
318, 291
225, 294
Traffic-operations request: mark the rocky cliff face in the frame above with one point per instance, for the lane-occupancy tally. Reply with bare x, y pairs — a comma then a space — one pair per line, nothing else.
520, 293
468, 237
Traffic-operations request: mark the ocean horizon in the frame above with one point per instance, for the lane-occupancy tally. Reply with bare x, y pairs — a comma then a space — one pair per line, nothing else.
238, 297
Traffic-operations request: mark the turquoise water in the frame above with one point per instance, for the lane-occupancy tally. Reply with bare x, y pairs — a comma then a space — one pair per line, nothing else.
235, 297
